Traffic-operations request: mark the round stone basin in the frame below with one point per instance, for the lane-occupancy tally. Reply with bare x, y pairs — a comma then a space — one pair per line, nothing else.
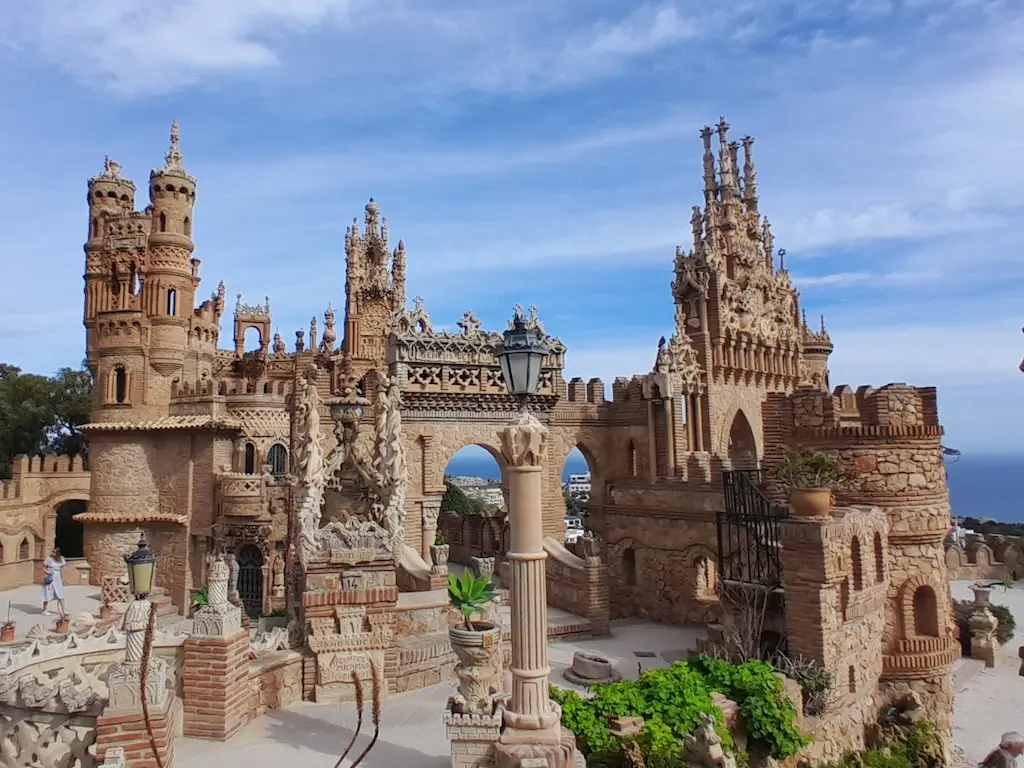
589, 668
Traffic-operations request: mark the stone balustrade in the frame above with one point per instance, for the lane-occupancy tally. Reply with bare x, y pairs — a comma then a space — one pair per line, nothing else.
241, 494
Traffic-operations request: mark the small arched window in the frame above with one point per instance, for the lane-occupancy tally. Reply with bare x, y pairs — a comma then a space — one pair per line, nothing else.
120, 384
631, 459
879, 559
24, 551
172, 302
851, 678
188, 227
629, 567
163, 222
250, 459
95, 227
855, 564
277, 458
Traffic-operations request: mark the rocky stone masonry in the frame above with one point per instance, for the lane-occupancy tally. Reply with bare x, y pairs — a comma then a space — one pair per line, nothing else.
888, 440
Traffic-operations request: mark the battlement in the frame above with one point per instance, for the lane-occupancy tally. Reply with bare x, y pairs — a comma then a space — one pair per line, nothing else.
123, 327
893, 410
199, 388
627, 389
39, 465
578, 391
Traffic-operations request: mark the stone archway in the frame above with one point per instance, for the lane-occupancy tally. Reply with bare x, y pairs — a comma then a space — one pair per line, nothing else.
69, 534
742, 446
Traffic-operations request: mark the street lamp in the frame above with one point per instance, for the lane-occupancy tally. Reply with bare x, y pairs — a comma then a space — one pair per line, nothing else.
141, 566
521, 356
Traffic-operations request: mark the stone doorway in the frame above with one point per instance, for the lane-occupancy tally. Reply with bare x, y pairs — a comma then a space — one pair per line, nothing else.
250, 580
69, 534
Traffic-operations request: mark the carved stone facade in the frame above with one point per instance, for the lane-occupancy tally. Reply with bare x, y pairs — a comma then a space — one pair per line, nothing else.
319, 471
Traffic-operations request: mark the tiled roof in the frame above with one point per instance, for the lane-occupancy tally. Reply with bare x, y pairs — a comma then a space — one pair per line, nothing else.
135, 517
165, 422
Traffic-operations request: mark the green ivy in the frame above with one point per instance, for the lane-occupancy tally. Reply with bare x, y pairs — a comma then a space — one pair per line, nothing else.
1007, 624
672, 700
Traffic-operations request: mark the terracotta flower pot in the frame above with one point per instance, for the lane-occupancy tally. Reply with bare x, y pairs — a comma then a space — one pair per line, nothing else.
7, 633
62, 625
811, 502
478, 653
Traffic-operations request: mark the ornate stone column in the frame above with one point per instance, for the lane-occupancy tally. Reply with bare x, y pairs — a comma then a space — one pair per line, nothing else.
532, 721
431, 509
123, 721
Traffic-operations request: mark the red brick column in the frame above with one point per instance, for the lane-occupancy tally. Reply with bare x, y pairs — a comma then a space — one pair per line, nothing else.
128, 731
216, 685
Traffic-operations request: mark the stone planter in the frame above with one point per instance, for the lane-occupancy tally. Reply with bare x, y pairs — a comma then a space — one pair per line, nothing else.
483, 567
478, 653
811, 502
7, 633
439, 554
590, 668
982, 595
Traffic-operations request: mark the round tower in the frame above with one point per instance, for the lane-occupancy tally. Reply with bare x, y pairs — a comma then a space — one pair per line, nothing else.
111, 198
817, 348
171, 279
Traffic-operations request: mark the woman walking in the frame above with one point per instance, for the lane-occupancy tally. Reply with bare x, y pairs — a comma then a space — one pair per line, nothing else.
53, 582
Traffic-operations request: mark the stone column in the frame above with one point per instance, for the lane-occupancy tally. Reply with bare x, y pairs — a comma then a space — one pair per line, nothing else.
123, 723
431, 509
216, 674
532, 721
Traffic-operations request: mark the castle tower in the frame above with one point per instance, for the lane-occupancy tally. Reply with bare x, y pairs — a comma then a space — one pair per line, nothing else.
817, 348
375, 288
172, 275
740, 314
114, 243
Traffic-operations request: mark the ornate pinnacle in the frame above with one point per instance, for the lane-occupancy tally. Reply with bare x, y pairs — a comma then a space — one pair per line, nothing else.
173, 159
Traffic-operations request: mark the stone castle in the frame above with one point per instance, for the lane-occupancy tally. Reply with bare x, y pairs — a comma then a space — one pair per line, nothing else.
196, 446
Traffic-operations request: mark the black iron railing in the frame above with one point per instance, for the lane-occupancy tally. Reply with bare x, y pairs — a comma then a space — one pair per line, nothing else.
748, 532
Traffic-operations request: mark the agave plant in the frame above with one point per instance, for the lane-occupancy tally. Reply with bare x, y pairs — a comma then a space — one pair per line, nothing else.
200, 598
470, 594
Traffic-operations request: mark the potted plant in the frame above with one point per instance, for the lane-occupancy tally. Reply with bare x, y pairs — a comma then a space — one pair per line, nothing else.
812, 478
476, 643
7, 632
199, 599
439, 551
62, 625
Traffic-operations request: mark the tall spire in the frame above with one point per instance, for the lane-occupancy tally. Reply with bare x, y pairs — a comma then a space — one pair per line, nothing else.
173, 159
709, 164
727, 170
749, 174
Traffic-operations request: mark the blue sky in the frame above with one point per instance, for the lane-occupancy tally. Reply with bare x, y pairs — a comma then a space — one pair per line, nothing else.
546, 153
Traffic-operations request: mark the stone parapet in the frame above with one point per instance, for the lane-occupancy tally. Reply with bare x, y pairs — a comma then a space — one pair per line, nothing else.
578, 585
472, 737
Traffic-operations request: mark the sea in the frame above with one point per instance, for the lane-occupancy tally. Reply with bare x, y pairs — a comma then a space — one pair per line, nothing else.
979, 486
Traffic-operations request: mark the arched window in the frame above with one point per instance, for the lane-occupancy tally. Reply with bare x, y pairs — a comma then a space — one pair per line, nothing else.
926, 612
95, 227
851, 676
163, 222
188, 227
855, 564
24, 551
705, 585
120, 384
277, 458
172, 302
629, 567
844, 598
250, 459
631, 459
879, 559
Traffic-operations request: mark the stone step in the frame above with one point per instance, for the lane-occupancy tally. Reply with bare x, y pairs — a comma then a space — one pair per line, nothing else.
418, 649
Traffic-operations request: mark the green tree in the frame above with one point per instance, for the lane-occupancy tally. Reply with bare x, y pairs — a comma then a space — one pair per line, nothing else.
575, 505
41, 414
455, 500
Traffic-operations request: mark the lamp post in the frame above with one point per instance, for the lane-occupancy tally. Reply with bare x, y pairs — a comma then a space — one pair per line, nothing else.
141, 565
531, 719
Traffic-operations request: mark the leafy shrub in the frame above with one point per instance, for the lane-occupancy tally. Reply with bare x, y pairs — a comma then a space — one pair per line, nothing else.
767, 715
816, 684
918, 747
1007, 624
671, 702
811, 470
470, 595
